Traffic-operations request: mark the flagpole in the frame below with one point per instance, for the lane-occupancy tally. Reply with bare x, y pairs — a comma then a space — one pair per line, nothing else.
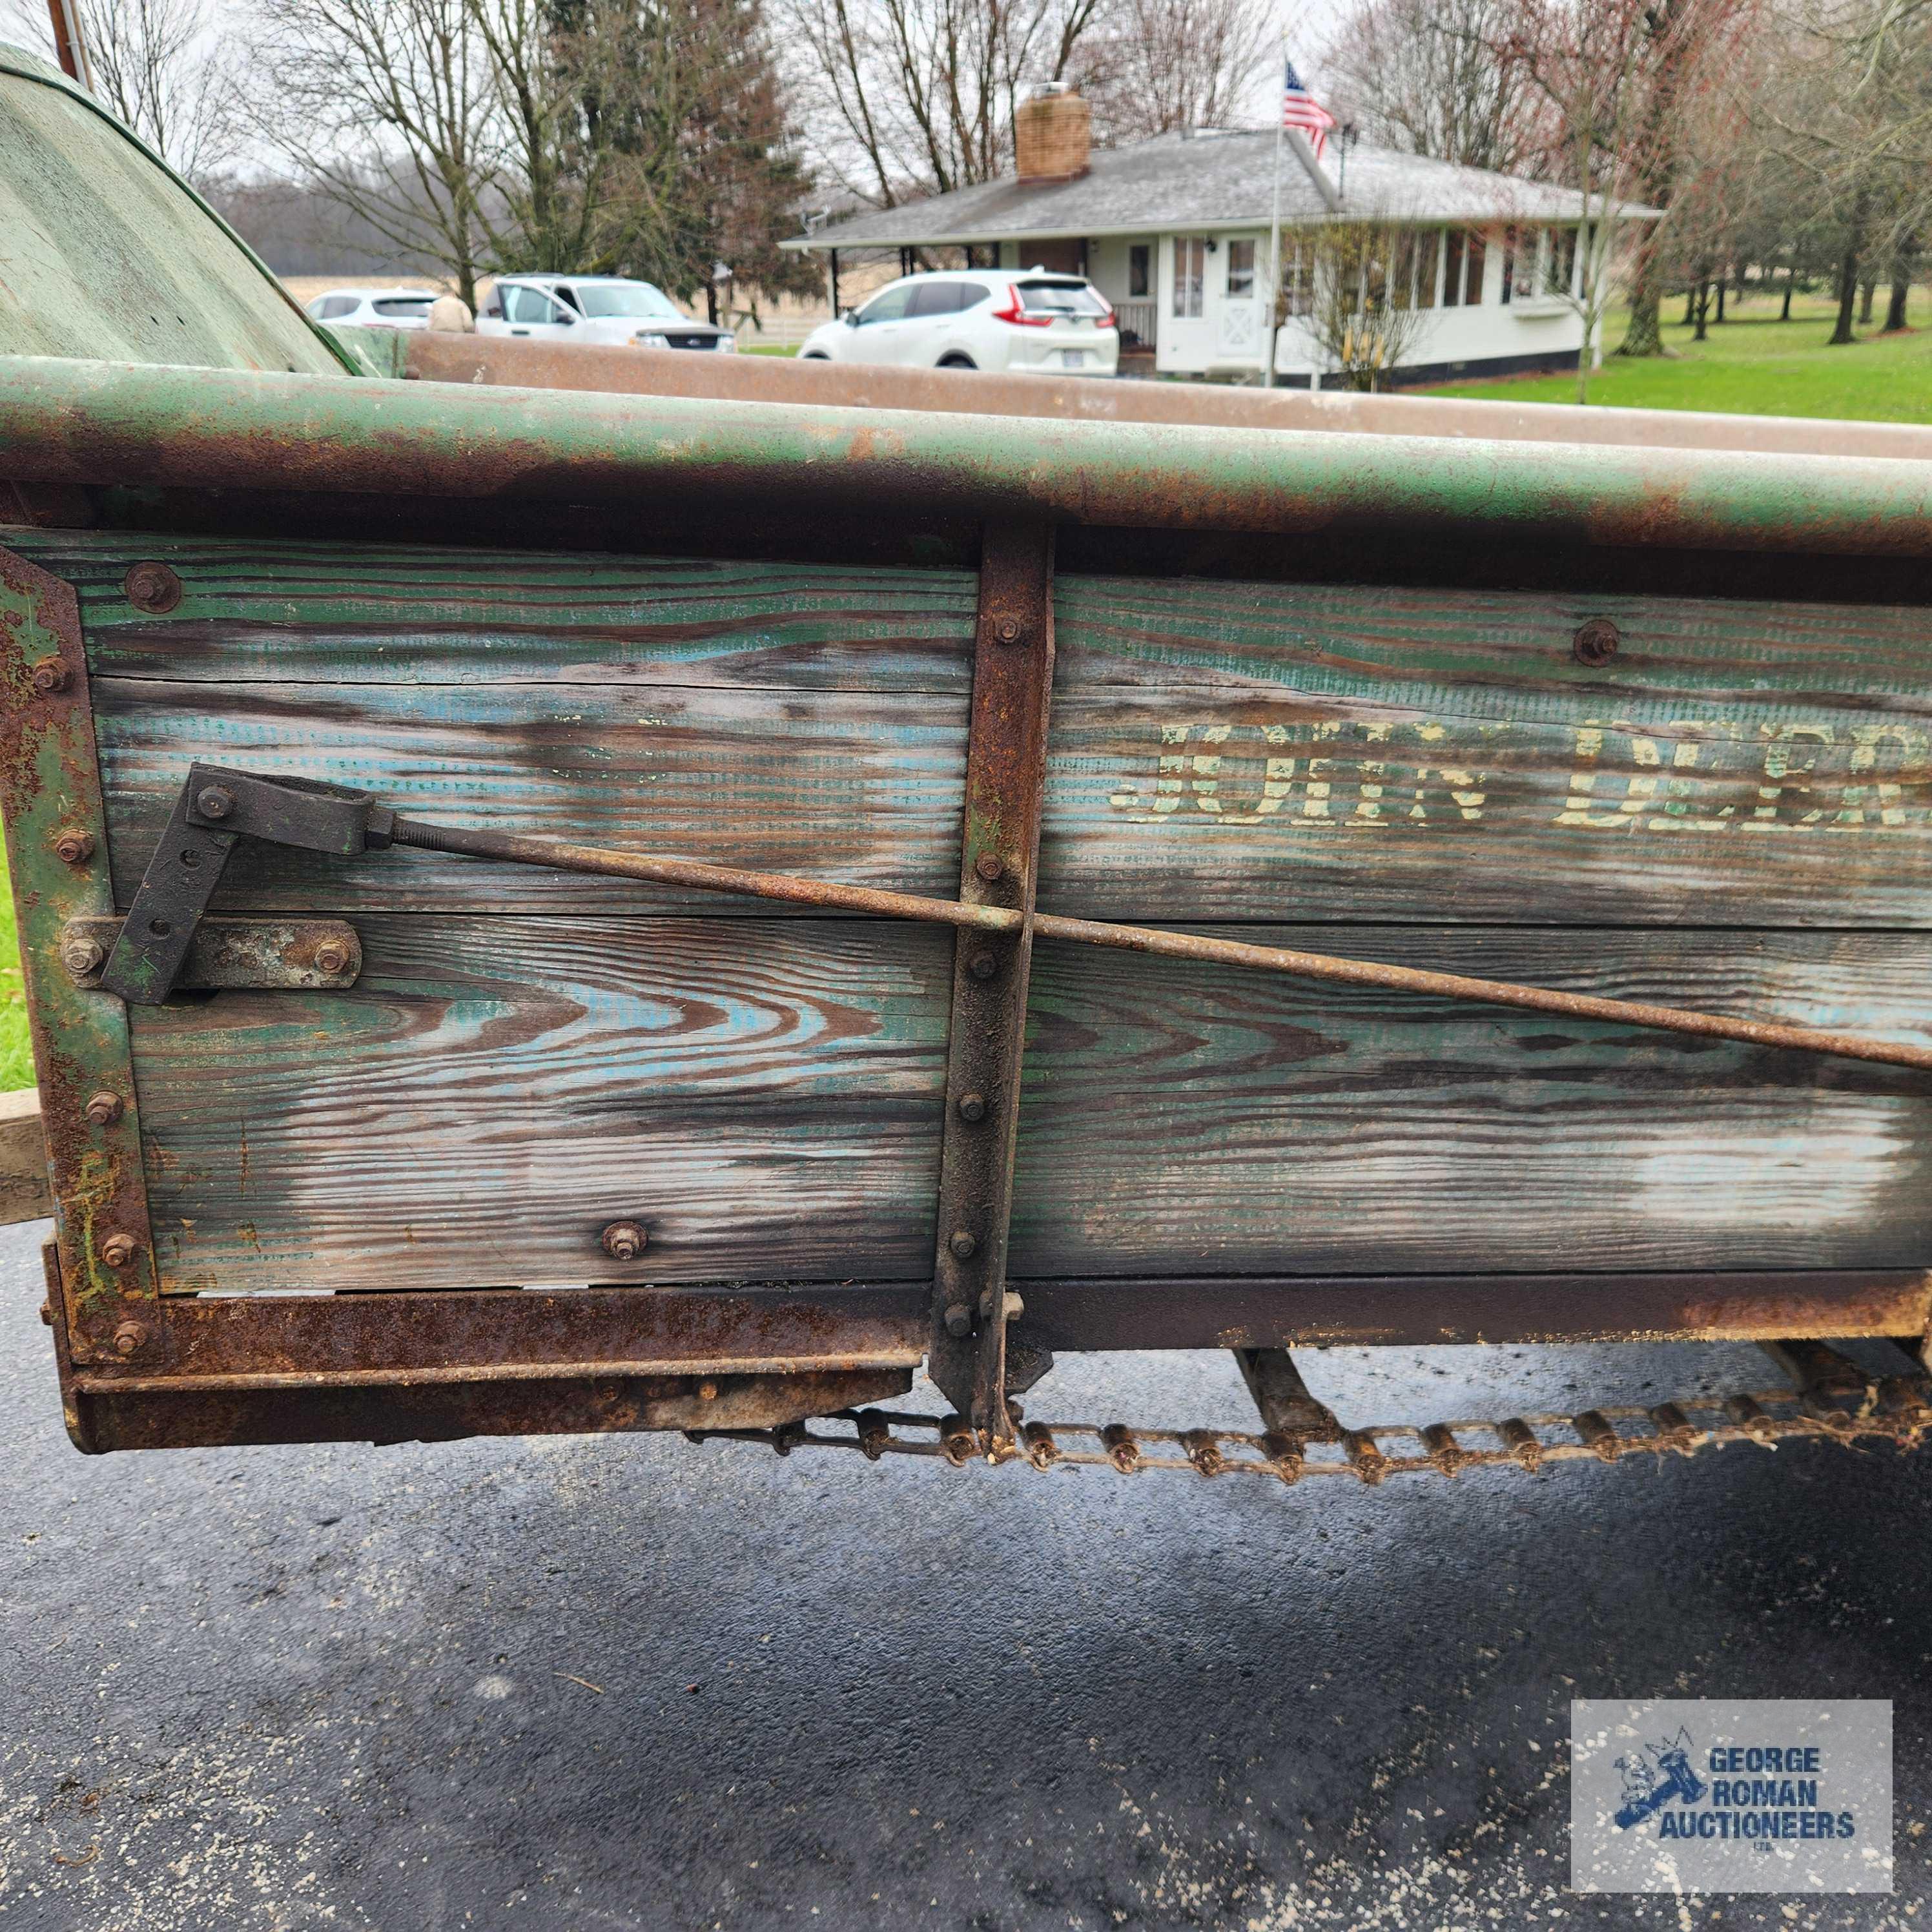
1274, 230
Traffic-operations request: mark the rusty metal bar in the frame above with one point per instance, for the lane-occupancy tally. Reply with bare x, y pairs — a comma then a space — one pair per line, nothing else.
1005, 788
71, 421
57, 849
1007, 920
433, 356
1283, 1400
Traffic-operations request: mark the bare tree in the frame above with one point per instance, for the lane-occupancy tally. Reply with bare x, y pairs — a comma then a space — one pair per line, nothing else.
1359, 279
905, 98
390, 108
160, 66
1151, 67
1423, 76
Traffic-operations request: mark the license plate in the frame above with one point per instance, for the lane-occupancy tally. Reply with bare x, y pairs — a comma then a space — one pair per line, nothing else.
1073, 358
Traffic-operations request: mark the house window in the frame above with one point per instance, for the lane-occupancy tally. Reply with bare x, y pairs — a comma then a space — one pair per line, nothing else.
1559, 260
1240, 271
1474, 251
1462, 256
1511, 240
1297, 279
1140, 269
1190, 273
1411, 279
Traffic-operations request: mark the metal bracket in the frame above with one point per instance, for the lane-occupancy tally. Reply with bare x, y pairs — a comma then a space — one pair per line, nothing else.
217, 806
1006, 783
285, 955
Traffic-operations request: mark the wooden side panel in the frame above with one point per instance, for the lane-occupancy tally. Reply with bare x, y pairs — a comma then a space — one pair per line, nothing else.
1219, 750
765, 1095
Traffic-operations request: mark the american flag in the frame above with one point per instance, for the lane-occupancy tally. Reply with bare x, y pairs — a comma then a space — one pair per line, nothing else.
1300, 108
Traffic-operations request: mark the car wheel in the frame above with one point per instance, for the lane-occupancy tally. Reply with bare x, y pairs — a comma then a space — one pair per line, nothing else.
815, 355
957, 362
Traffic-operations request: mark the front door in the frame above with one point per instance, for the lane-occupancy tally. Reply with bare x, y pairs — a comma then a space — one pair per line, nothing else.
1187, 310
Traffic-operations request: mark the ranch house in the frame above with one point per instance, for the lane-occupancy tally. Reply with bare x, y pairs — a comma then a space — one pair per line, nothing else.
1174, 232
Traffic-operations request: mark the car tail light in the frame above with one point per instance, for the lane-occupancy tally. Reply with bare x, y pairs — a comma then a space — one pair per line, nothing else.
1109, 320
1018, 316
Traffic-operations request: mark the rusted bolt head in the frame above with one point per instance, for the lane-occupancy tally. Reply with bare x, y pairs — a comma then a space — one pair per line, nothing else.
624, 1241
989, 866
707, 1391
959, 1321
104, 1109
972, 1106
152, 587
1596, 642
118, 1250
212, 801
49, 675
963, 1245
47, 1313
332, 956
82, 956
73, 845
982, 965
1007, 630
129, 1337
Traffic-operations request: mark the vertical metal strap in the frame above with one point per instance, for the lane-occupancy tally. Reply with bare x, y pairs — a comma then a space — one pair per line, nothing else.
1006, 781
57, 847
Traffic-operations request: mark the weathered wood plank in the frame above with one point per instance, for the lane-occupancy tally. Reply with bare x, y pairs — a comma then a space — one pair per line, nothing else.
1156, 805
415, 614
25, 1195
765, 1095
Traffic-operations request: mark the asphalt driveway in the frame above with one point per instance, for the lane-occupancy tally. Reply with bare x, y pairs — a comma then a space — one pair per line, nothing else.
631, 1683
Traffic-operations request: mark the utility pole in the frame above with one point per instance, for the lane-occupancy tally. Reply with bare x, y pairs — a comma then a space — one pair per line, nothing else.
1274, 236
70, 43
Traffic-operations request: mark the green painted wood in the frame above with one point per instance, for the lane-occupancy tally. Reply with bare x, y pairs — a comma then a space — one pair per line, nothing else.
1219, 750
108, 254
765, 1095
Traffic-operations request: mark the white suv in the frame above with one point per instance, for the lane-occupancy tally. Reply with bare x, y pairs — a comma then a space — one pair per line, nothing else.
594, 308
978, 319
374, 308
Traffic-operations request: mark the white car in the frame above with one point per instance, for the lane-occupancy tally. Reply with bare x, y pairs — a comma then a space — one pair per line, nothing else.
978, 319
604, 309
375, 308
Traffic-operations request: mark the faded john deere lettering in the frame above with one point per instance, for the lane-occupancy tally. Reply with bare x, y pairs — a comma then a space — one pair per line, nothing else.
1335, 772
1687, 776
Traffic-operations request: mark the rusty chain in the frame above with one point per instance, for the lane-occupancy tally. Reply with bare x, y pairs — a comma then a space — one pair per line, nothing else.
1894, 1409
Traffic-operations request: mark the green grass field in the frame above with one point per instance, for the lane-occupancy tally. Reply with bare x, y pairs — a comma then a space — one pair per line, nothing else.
16, 1056
1756, 365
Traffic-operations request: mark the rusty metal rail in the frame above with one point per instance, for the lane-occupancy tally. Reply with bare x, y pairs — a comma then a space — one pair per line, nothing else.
515, 849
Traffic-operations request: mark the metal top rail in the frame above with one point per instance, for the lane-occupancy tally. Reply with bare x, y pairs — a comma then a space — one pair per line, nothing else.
75, 422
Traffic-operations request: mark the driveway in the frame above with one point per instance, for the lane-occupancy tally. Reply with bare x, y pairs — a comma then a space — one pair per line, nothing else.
631, 1683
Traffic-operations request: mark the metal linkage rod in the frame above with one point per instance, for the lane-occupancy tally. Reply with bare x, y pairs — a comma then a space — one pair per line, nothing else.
792, 890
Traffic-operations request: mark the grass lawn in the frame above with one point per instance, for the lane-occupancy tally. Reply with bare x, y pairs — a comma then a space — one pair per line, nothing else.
1755, 365
16, 1056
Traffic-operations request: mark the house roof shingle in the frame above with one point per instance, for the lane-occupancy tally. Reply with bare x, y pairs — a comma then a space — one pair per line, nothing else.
1211, 180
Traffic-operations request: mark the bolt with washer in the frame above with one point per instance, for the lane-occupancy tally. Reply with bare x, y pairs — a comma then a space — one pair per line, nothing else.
982, 965
1007, 630
958, 1321
332, 956
624, 1241
82, 956
104, 1109
73, 846
964, 1246
118, 1250
49, 675
128, 1337
214, 802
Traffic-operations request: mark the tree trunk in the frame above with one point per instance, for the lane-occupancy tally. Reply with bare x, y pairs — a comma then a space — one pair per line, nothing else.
1866, 291
1848, 295
1702, 332
1894, 312
1721, 280
1644, 335
1690, 305
1790, 279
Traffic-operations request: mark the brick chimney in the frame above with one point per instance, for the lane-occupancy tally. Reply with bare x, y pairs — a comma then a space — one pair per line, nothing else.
1053, 134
